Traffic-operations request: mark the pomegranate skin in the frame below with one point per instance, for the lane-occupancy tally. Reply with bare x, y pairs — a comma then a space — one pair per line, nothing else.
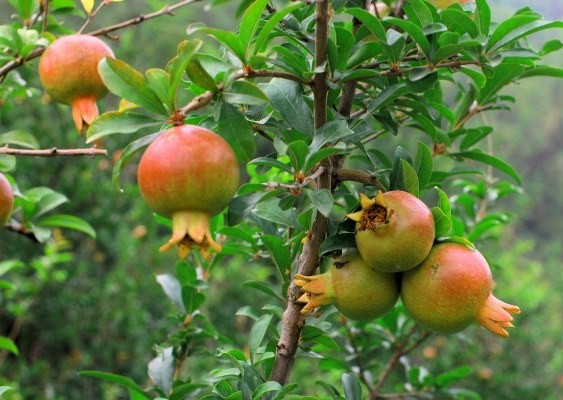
68, 70
453, 288
356, 290
189, 174
403, 239
188, 168
6, 200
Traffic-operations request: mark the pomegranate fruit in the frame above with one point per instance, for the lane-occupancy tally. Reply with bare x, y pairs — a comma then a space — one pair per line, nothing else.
68, 70
189, 174
394, 231
453, 288
358, 291
6, 200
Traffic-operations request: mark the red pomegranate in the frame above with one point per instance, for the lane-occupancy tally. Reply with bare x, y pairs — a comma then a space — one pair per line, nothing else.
6, 200
358, 291
453, 288
189, 174
68, 70
394, 231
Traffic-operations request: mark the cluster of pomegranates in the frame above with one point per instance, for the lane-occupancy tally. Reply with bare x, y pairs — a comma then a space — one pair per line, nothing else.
443, 286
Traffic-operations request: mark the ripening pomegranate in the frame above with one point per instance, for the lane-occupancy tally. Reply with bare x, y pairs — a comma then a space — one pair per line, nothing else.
189, 174
440, 4
68, 70
453, 288
358, 291
394, 231
6, 200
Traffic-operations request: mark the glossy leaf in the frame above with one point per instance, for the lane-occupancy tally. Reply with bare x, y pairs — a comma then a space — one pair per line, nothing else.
68, 222
371, 22
8, 345
423, 165
20, 139
128, 153
442, 223
199, 75
244, 92
126, 382
321, 199
352, 387
493, 161
120, 122
257, 333
177, 66
273, 21
249, 22
236, 130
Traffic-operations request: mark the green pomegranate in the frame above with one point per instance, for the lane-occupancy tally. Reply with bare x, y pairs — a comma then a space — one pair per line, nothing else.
68, 70
6, 200
357, 291
394, 231
453, 288
189, 174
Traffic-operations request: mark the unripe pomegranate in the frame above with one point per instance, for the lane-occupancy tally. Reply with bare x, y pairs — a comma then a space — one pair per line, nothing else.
394, 231
68, 70
6, 200
453, 288
358, 291
189, 174
440, 4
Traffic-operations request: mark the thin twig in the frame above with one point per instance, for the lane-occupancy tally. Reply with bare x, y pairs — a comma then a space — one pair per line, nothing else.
91, 16
196, 103
266, 73
296, 186
54, 152
355, 175
19, 228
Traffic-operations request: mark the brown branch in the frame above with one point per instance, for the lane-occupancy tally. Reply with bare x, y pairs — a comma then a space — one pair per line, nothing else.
19, 228
54, 152
198, 102
293, 320
401, 349
355, 175
91, 16
306, 181
266, 73
166, 10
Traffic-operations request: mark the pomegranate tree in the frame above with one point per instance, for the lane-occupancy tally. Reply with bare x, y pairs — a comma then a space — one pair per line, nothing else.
358, 291
189, 174
68, 70
453, 288
6, 200
394, 231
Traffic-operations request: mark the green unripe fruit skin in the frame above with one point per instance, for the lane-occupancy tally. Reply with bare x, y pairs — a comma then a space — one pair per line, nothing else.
6, 200
405, 241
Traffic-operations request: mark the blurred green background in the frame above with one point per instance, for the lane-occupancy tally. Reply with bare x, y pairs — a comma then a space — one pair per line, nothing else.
104, 309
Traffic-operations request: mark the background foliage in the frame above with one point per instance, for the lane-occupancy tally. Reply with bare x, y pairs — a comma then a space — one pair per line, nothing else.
60, 305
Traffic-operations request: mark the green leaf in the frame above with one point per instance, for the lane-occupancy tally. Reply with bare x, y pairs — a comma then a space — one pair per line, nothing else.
19, 138
410, 179
337, 242
45, 199
493, 161
275, 19
4, 389
318, 336
159, 82
543, 70
257, 333
271, 211
413, 30
298, 152
177, 66
172, 289
503, 74
192, 298
266, 387
7, 344
423, 163
351, 385
474, 136
249, 22
457, 239
68, 222
459, 21
129, 152
262, 287
479, 79
119, 122
551, 46
483, 17
228, 39
199, 76
387, 96
444, 202
442, 223
286, 97
237, 131
280, 254
7, 162
244, 92
120, 380
322, 200
517, 27
126, 82
372, 23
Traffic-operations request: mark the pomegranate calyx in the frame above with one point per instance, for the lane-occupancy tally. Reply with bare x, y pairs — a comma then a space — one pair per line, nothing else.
191, 228
317, 291
494, 315
374, 215
84, 112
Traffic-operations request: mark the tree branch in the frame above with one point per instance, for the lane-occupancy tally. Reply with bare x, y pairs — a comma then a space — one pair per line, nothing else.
54, 152
293, 320
355, 175
166, 10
